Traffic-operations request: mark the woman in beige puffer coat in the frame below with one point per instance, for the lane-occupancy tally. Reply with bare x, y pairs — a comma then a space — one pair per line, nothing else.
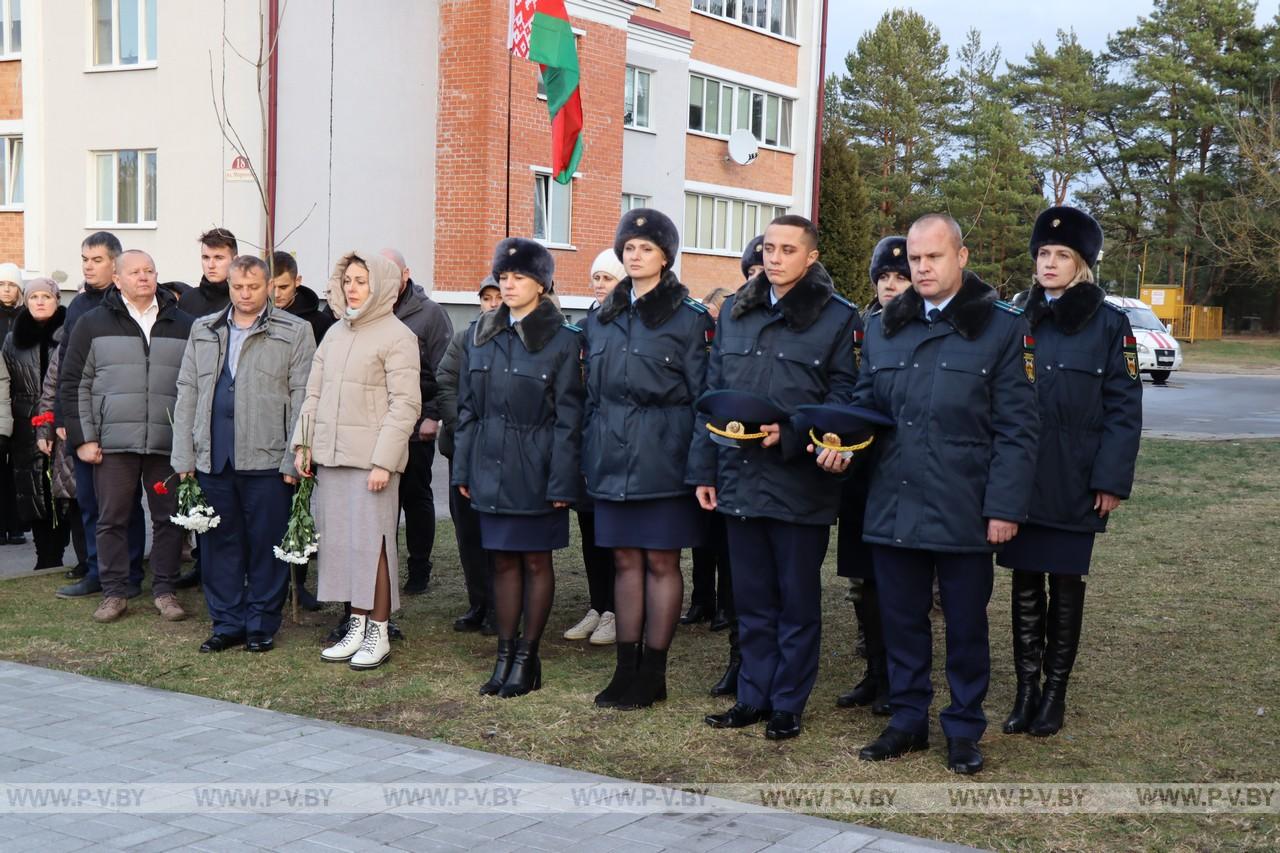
363, 399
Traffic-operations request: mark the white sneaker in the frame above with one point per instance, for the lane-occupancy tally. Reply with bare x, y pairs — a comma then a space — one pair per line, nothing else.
375, 649
606, 633
349, 644
584, 628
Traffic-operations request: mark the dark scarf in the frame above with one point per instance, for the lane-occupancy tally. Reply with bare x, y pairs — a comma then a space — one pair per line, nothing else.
802, 305
969, 310
655, 307
536, 330
1072, 311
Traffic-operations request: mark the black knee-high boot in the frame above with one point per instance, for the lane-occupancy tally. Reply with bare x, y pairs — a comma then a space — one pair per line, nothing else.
623, 674
1066, 614
873, 689
1028, 648
728, 683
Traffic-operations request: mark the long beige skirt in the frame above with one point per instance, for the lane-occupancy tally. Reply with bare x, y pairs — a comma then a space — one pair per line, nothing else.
352, 524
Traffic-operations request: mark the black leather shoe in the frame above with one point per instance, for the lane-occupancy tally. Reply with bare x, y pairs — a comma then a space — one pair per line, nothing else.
79, 589
489, 627
338, 631
393, 630
221, 642
190, 579
74, 574
695, 614
720, 621
472, 620
416, 584
963, 756
738, 717
260, 643
893, 743
783, 725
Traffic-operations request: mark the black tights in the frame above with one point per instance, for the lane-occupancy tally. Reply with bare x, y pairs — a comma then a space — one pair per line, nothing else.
648, 590
523, 581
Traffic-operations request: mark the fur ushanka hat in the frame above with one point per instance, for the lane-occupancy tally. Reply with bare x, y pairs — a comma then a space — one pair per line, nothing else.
1070, 227
527, 257
646, 223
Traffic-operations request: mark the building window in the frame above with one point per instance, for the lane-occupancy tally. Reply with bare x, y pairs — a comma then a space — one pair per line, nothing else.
630, 201
720, 108
772, 16
11, 189
124, 187
124, 33
636, 101
10, 29
552, 209
716, 224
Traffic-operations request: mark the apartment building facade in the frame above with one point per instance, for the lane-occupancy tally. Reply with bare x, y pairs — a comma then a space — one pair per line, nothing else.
347, 124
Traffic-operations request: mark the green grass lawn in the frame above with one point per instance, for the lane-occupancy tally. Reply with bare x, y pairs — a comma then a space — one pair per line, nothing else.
1177, 680
1238, 353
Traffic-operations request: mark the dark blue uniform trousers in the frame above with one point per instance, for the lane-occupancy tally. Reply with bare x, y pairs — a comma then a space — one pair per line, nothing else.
777, 589
244, 584
904, 577
87, 499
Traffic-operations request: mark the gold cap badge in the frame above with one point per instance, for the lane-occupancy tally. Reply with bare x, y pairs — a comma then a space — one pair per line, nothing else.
511, 251
640, 220
1057, 222
897, 251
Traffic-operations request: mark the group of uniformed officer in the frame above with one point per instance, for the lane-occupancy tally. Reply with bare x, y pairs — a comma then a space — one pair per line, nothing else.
943, 432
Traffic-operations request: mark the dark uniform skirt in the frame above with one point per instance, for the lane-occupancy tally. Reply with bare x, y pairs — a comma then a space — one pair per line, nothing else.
661, 524
1047, 549
546, 532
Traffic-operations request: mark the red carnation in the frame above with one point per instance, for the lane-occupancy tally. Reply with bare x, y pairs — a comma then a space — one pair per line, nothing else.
160, 488
42, 419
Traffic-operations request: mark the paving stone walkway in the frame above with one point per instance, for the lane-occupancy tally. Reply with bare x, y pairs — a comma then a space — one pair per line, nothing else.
61, 728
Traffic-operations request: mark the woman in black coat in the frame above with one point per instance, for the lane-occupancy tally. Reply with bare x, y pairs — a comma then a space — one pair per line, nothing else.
10, 304
890, 275
646, 365
26, 354
516, 449
1083, 358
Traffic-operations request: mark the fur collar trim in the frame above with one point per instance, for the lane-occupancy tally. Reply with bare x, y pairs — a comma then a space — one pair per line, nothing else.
969, 310
1071, 312
536, 330
655, 307
801, 306
28, 333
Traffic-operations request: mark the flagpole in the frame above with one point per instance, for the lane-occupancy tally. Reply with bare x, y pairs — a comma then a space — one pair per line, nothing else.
508, 226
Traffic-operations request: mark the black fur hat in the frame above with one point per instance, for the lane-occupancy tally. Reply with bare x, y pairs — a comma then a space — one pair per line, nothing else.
527, 257
1067, 226
890, 255
648, 224
753, 255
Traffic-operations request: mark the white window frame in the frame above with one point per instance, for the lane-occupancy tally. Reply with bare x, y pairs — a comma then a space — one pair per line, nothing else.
735, 17
630, 201
144, 34
726, 213
9, 142
634, 73
141, 194
541, 174
7, 50
732, 103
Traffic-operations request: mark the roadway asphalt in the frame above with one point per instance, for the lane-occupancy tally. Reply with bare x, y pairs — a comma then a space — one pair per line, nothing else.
1191, 406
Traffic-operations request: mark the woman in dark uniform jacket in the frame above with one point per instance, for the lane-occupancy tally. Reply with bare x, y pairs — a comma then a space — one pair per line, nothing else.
646, 365
516, 449
890, 275
1084, 359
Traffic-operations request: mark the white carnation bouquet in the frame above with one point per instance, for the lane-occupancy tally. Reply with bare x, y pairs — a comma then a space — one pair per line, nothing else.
194, 512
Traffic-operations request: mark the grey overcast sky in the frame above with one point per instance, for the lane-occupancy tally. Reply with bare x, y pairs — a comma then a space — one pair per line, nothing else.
1013, 24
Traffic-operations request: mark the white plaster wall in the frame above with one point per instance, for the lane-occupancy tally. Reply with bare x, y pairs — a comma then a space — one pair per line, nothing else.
380, 190
168, 107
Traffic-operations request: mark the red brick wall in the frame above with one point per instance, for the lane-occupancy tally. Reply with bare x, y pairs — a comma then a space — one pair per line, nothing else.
11, 242
744, 50
704, 273
472, 145
12, 246
705, 161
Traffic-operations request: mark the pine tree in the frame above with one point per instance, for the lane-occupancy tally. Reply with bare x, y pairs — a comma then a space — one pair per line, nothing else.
843, 218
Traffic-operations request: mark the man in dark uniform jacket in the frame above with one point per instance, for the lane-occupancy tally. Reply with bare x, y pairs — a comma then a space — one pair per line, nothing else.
952, 365
786, 336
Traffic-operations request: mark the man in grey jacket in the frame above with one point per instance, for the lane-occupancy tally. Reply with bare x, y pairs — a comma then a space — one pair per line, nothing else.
242, 383
431, 324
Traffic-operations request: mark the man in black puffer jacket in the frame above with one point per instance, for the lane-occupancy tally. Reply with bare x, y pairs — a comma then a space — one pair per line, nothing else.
218, 247
118, 391
288, 294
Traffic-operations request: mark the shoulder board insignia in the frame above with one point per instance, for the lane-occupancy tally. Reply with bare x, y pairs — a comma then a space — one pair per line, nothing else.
843, 301
1012, 309
1113, 307
573, 328
695, 305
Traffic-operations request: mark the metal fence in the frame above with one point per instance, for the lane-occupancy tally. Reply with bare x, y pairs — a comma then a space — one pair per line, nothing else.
1197, 323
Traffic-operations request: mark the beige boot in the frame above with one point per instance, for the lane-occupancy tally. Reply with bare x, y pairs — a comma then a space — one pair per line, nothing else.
345, 649
375, 649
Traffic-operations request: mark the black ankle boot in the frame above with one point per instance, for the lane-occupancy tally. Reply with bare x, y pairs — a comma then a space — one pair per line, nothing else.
650, 683
1028, 648
526, 671
728, 683
623, 674
501, 667
873, 689
1066, 613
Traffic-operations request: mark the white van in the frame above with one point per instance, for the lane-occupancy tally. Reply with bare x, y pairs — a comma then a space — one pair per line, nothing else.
1159, 352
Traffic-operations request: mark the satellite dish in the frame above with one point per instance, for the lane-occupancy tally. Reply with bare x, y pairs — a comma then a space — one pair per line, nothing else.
743, 148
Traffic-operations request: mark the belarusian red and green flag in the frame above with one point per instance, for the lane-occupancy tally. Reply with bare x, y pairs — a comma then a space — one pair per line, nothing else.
540, 32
